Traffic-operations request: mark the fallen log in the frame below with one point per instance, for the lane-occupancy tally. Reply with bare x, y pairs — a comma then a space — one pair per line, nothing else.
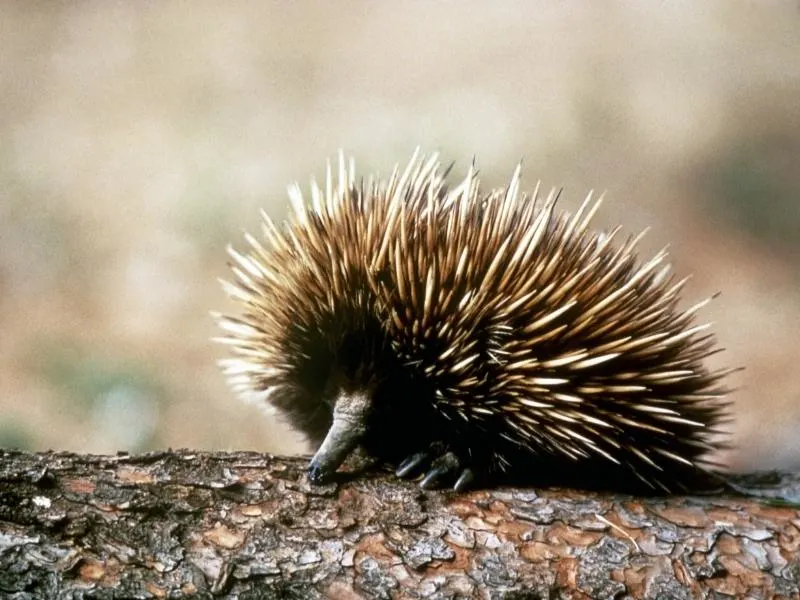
247, 525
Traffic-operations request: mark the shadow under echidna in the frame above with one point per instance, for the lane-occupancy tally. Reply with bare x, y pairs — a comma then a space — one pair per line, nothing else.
473, 338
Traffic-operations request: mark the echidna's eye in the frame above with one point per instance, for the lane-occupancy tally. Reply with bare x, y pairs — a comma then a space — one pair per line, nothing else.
351, 355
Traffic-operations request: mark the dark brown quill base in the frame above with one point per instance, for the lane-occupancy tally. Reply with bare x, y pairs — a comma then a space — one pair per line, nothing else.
402, 427
403, 432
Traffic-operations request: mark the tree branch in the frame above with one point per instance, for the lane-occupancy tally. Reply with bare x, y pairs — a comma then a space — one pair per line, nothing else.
184, 523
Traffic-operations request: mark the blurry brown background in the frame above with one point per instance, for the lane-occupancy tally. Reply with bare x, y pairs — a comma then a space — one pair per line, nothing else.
138, 138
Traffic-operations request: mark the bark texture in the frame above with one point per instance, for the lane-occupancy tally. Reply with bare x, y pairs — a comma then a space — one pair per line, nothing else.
245, 525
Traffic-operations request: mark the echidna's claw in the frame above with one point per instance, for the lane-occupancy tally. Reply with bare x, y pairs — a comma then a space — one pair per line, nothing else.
464, 480
443, 469
413, 464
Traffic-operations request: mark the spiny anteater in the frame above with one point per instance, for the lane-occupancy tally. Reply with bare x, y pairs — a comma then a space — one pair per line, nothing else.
473, 337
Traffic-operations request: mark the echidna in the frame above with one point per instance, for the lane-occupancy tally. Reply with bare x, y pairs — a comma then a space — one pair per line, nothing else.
475, 338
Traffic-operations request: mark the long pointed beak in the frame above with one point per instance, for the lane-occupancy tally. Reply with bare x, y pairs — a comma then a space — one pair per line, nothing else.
347, 430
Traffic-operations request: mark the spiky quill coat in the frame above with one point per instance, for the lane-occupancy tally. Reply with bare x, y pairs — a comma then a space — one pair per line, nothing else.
473, 338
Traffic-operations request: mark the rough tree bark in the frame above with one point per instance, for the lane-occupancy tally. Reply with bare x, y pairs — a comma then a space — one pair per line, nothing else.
245, 525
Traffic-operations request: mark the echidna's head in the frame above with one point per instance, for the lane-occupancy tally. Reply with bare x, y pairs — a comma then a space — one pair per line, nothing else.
343, 380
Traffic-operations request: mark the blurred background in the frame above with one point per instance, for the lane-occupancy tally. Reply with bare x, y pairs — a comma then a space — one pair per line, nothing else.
138, 138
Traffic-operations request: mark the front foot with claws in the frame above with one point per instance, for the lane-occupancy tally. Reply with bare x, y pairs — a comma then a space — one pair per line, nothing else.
440, 469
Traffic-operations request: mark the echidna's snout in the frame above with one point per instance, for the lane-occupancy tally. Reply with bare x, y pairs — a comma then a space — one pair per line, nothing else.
350, 413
